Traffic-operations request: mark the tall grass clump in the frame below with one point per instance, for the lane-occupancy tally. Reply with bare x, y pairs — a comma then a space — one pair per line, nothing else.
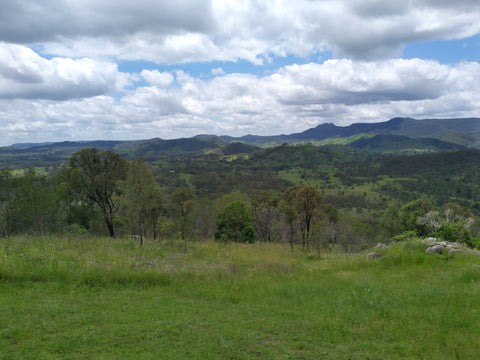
100, 261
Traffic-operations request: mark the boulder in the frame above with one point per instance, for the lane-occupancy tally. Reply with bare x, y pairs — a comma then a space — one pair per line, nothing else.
435, 249
374, 255
438, 247
455, 250
381, 246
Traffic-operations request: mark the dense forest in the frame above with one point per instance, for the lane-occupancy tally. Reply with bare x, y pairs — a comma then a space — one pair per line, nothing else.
323, 198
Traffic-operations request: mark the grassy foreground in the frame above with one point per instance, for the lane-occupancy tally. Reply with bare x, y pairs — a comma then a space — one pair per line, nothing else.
109, 299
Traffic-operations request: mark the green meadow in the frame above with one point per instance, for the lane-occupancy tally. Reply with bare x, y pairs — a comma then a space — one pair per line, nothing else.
86, 298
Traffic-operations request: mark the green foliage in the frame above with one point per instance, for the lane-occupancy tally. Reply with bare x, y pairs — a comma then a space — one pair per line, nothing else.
454, 232
28, 204
406, 236
141, 199
182, 203
265, 213
235, 224
93, 176
473, 243
308, 202
411, 212
375, 197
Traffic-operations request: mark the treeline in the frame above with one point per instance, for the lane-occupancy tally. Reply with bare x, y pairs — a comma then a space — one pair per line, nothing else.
100, 193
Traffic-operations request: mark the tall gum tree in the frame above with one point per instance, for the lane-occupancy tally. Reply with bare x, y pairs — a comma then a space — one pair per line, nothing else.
141, 197
308, 202
94, 176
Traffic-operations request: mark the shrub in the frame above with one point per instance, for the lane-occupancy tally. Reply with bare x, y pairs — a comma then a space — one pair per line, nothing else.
473, 243
235, 223
454, 232
406, 236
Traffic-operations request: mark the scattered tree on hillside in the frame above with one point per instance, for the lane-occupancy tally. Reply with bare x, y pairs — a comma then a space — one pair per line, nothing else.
308, 203
182, 202
289, 211
264, 213
411, 212
6, 196
390, 221
141, 197
93, 176
37, 205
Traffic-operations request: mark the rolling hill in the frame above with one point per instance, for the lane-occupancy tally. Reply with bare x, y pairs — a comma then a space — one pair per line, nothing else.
465, 132
396, 136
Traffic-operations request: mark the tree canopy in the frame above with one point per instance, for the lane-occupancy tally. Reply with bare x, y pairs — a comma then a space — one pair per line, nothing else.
93, 176
234, 223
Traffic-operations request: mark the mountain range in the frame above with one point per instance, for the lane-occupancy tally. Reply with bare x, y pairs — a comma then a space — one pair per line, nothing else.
396, 136
464, 131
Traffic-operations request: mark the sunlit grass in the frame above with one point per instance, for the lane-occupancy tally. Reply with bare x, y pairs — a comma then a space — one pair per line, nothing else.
88, 298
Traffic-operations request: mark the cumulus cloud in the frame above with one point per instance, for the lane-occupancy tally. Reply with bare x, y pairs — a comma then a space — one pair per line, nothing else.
24, 74
155, 77
293, 99
299, 96
218, 71
58, 75
57, 20
192, 30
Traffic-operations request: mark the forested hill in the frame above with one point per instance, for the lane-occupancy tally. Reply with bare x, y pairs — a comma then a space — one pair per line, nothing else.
396, 136
465, 132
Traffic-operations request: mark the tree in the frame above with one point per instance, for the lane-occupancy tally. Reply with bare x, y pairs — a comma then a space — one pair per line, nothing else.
308, 202
235, 223
287, 207
6, 196
390, 221
37, 204
93, 176
204, 217
182, 201
264, 213
411, 212
141, 197
331, 214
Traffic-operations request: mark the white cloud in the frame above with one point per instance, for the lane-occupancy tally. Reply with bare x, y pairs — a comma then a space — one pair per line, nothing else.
24, 74
155, 77
58, 74
192, 30
293, 99
300, 96
218, 71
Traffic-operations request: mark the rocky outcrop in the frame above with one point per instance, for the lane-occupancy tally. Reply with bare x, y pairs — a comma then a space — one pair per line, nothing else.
435, 249
440, 247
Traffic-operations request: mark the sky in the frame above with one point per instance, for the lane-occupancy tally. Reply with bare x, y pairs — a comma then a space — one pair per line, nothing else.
127, 70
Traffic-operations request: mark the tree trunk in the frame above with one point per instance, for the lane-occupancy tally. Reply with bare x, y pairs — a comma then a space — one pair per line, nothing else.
110, 227
291, 236
140, 231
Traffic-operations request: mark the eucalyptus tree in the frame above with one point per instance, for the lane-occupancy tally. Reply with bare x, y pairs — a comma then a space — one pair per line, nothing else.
94, 176
264, 205
182, 202
308, 203
6, 196
141, 198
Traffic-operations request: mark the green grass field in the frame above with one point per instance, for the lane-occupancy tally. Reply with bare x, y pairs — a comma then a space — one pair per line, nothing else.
110, 299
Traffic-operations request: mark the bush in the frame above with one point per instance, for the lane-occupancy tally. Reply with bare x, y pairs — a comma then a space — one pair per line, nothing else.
454, 232
235, 223
473, 243
406, 236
